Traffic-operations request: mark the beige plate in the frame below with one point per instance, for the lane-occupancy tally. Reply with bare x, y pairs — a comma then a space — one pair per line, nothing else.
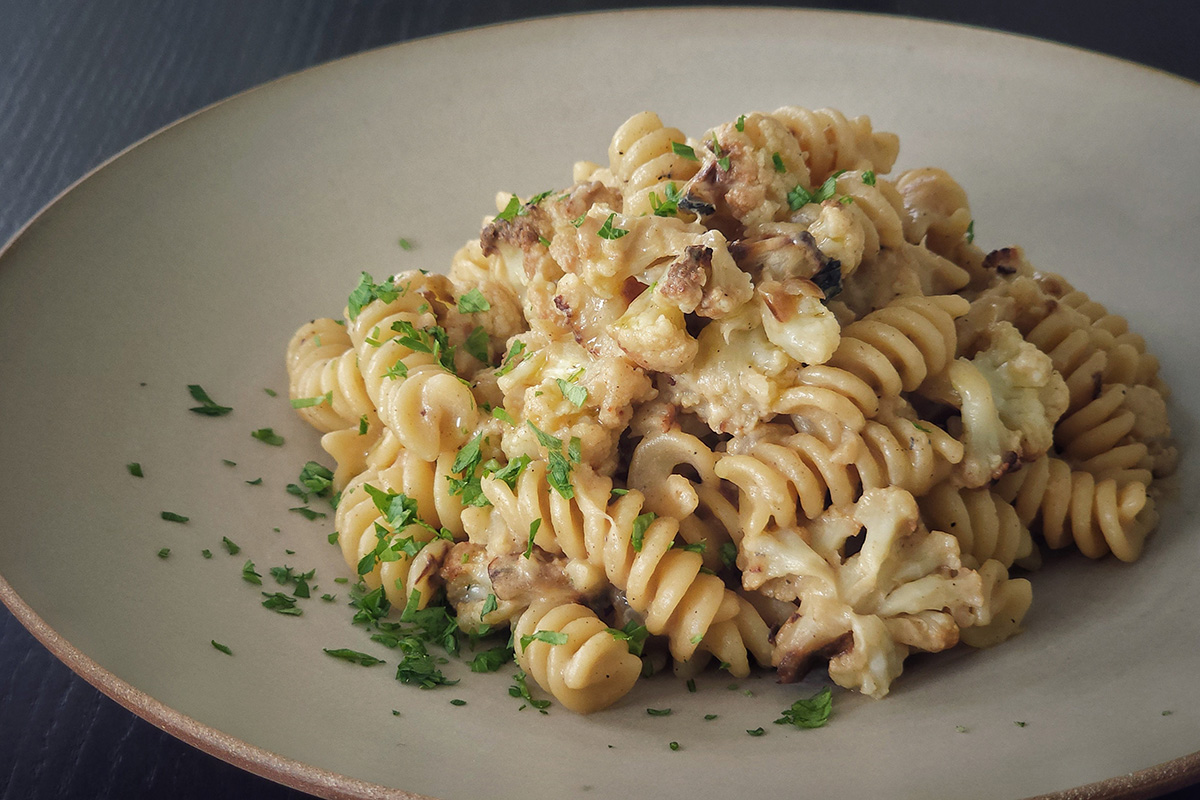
192, 258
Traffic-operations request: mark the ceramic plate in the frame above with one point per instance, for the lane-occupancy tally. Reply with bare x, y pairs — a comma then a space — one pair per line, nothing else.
193, 257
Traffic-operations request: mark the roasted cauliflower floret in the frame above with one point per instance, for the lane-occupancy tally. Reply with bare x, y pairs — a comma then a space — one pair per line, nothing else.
1011, 398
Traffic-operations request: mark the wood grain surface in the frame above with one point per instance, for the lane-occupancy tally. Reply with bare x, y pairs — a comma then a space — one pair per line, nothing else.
80, 80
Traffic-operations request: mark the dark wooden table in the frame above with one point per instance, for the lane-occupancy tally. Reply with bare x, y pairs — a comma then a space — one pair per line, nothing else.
82, 79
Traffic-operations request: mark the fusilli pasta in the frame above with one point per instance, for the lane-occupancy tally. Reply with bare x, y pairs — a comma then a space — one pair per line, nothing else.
739, 396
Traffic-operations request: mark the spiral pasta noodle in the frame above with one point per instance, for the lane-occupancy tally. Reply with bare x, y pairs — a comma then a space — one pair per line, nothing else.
591, 670
832, 142
323, 372
644, 162
738, 398
1072, 507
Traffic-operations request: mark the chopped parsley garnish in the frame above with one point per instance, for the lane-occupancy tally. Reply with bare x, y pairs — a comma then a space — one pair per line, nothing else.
681, 149
697, 547
577, 395
230, 547
971, 232
609, 231
363, 425
418, 667
868, 177
510, 211
813, 712
710, 717
728, 554
491, 660
659, 712
473, 302
619, 492
332, 538
921, 427
777, 160
634, 636
722, 159
250, 575
691, 685
756, 731
164, 553
669, 206
171, 516
267, 436
1021, 724
741, 123
432, 340
558, 468
549, 637
458, 702
271, 392
135, 469
367, 291
397, 370
499, 413
223, 648
489, 606
673, 745
309, 402
228, 463
960, 728
511, 471
206, 553
533, 529
354, 657
308, 513
800, 197
316, 478
512, 358
521, 690
207, 406
255, 482
640, 524
405, 244
281, 603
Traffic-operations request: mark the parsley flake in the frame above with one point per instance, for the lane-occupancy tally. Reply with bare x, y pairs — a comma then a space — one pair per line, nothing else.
207, 406
777, 160
267, 436
230, 547
609, 231
574, 393
659, 712
135, 469
250, 575
309, 402
223, 648
473, 302
354, 657
868, 177
510, 211
681, 149
549, 637
741, 123
533, 529
164, 553
171, 516
669, 206
812, 712
640, 524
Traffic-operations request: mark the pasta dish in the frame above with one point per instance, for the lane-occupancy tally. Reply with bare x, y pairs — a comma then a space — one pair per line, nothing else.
740, 396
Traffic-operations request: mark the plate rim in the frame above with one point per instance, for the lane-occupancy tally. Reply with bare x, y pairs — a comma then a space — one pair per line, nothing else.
1152, 781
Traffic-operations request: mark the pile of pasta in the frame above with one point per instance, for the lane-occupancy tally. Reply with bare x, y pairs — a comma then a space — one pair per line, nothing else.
740, 391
